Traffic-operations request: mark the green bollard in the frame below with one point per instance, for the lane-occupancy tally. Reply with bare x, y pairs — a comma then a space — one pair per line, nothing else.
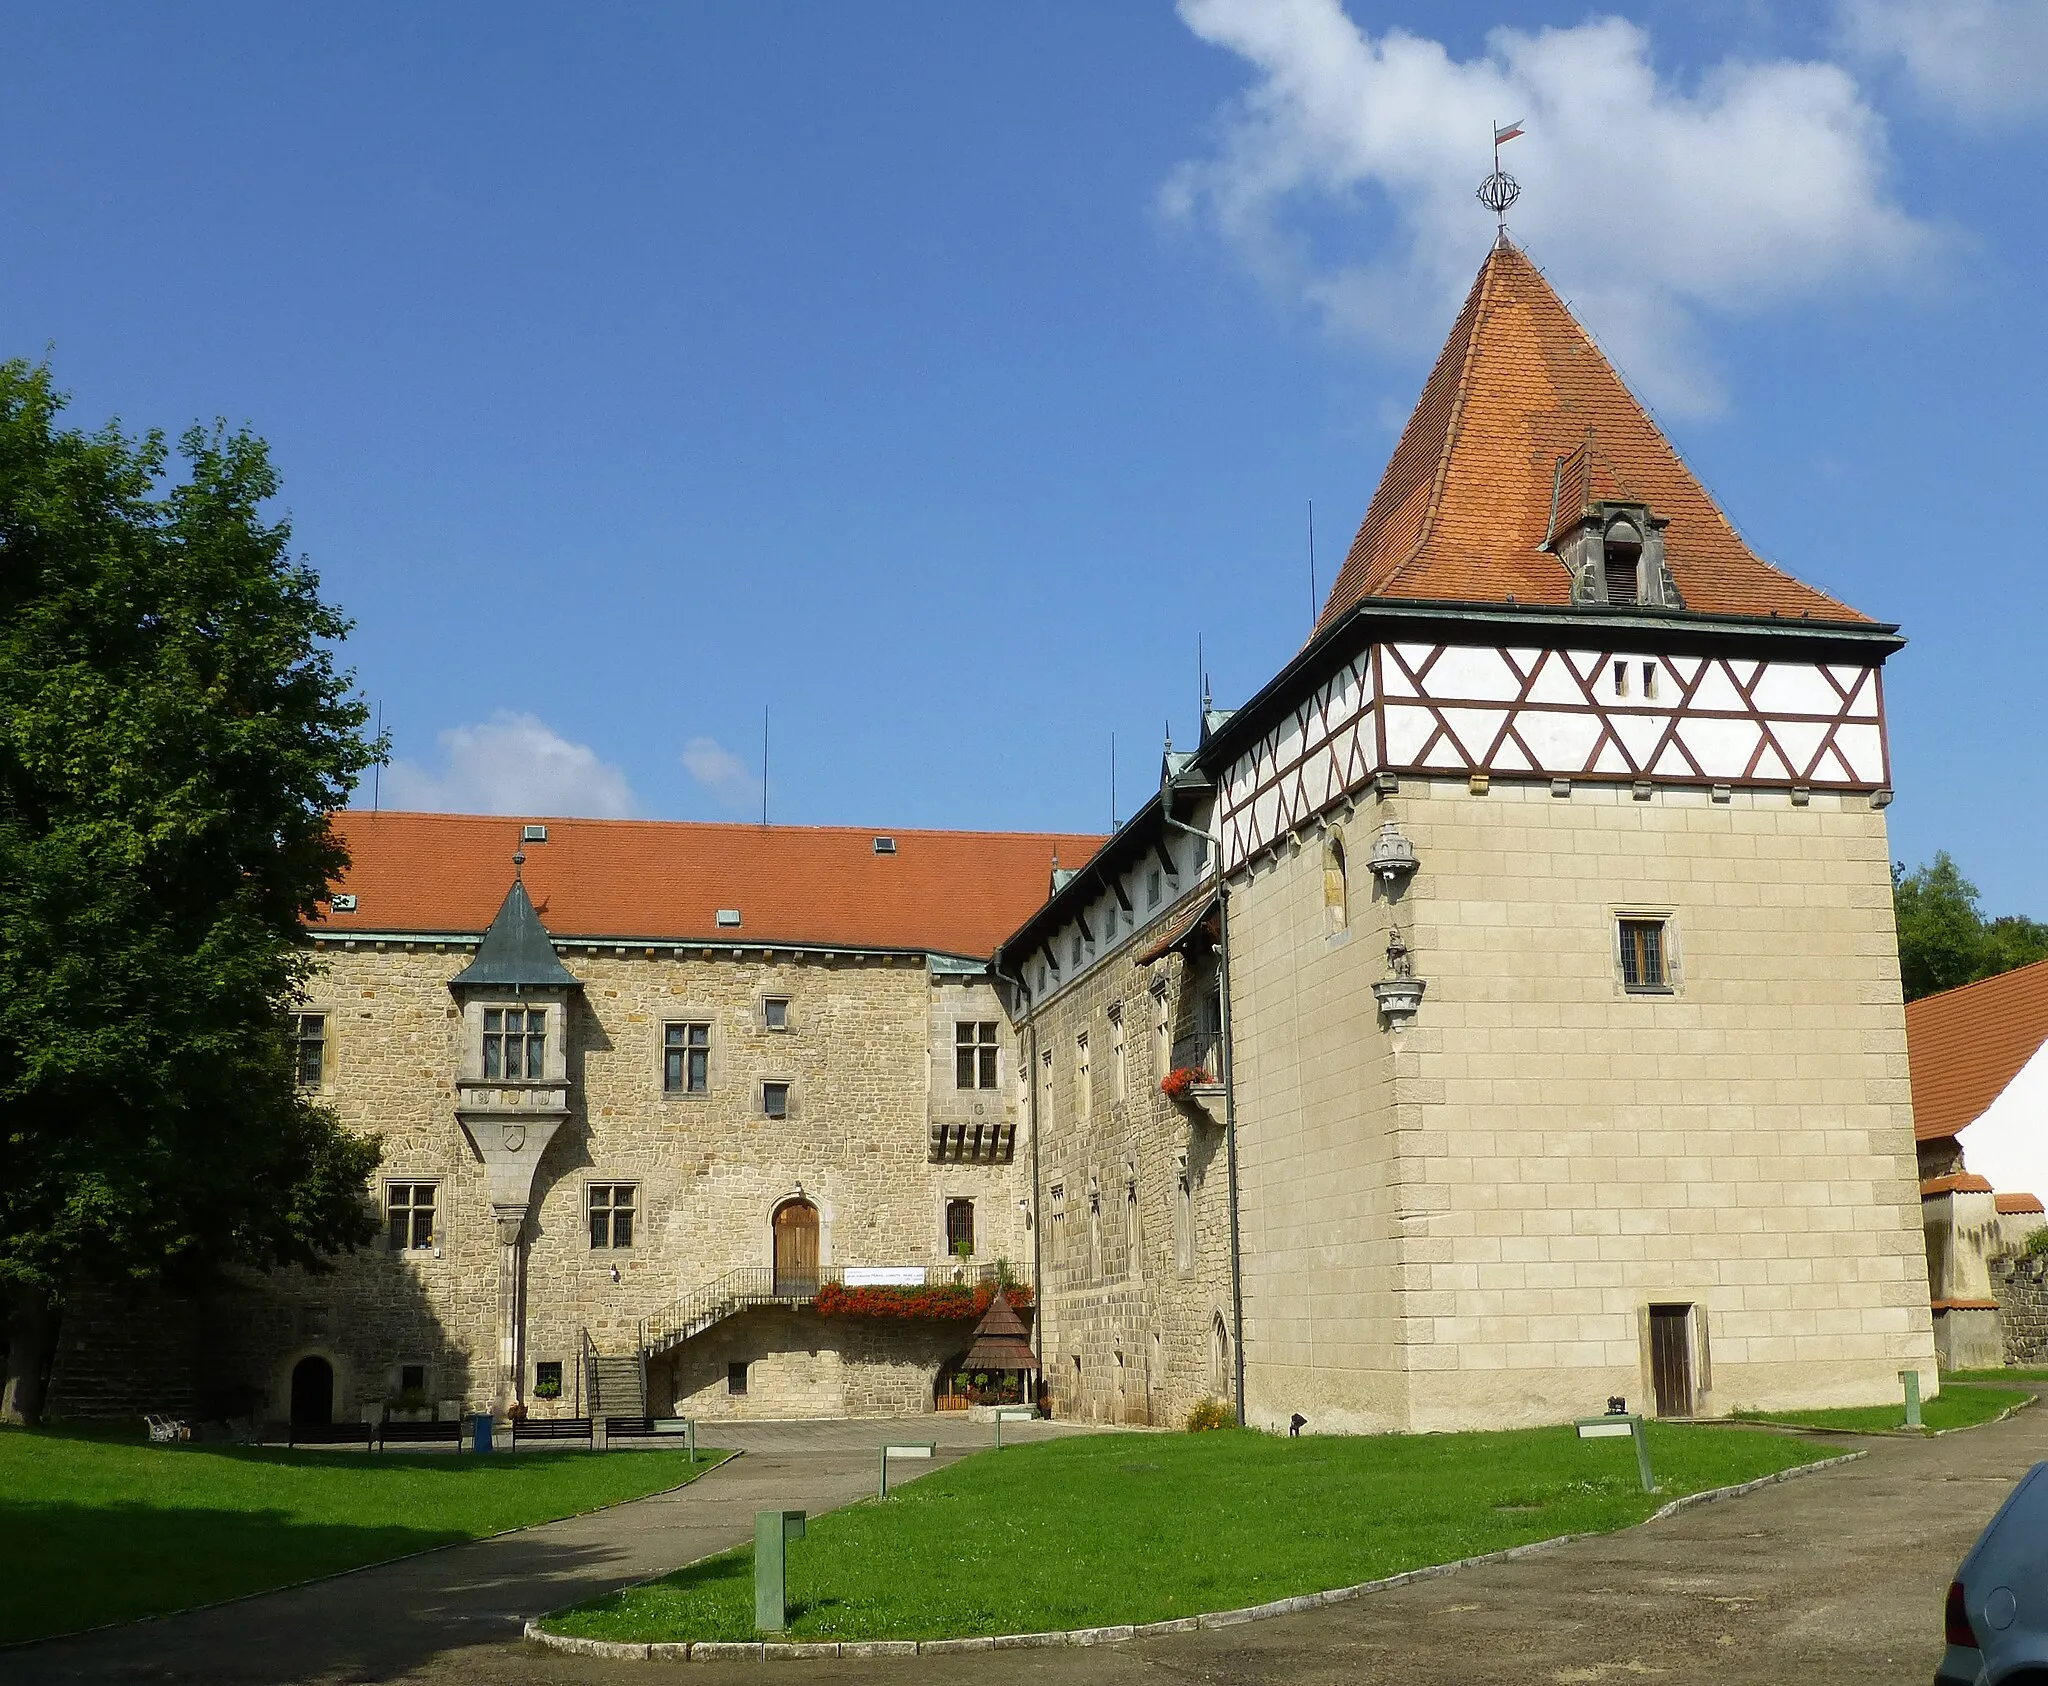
1912, 1380
773, 1530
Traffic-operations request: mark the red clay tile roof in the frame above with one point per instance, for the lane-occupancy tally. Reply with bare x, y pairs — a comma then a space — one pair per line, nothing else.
2017, 1205
1965, 1045
947, 892
1520, 389
1956, 1182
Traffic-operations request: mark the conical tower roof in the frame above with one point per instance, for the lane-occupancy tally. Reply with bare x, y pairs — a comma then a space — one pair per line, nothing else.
1522, 411
1000, 1340
516, 952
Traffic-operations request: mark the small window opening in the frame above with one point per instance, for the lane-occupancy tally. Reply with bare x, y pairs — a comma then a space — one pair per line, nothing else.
611, 1214
1154, 884
1622, 548
775, 1013
728, 916
974, 1054
686, 1059
1644, 962
960, 1228
547, 1379
1336, 887
412, 1378
409, 1212
1621, 679
736, 1377
775, 1099
885, 845
312, 1049
1650, 680
533, 834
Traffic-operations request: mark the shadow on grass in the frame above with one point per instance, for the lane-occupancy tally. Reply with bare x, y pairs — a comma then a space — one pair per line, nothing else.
77, 1566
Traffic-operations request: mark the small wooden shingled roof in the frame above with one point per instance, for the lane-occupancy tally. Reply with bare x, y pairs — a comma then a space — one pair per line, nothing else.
1965, 1045
1523, 410
1001, 1341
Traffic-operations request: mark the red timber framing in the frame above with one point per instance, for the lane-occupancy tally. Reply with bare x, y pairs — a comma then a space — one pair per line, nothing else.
1611, 716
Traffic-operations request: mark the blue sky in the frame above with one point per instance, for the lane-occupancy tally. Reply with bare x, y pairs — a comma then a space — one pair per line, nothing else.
937, 375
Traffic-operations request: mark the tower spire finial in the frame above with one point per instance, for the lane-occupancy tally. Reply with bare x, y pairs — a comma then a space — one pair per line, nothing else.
1500, 190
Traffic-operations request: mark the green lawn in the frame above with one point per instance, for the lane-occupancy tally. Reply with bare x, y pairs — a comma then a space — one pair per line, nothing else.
1994, 1376
1957, 1406
94, 1529
1118, 1528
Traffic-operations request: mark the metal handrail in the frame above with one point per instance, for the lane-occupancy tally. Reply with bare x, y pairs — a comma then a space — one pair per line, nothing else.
753, 1285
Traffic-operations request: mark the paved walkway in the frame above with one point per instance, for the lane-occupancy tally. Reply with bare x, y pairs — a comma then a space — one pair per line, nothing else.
427, 1612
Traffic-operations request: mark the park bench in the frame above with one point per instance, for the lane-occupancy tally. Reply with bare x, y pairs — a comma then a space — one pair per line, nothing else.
551, 1428
419, 1434
329, 1434
652, 1428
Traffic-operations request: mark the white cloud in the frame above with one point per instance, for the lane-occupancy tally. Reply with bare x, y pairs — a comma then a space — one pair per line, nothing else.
511, 764
1643, 201
1984, 59
721, 772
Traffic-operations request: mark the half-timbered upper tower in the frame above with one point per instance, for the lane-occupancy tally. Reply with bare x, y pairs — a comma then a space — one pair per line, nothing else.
1566, 1049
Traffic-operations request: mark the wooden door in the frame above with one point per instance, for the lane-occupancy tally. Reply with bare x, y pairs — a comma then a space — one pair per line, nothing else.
796, 1249
1671, 1359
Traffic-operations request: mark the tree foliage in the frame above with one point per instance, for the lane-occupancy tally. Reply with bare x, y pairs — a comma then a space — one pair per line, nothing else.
1945, 940
173, 734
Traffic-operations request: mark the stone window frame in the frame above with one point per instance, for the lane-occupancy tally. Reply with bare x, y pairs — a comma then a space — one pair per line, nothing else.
1119, 1057
787, 1085
684, 1021
736, 1377
1183, 1196
1672, 946
985, 1054
634, 1210
949, 1204
326, 1020
763, 1016
548, 1037
1162, 1031
413, 1210
1056, 1228
1084, 1079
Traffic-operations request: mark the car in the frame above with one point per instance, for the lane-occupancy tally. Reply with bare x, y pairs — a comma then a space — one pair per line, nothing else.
1997, 1613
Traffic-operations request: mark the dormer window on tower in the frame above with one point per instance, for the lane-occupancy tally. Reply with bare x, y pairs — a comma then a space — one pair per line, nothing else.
1615, 552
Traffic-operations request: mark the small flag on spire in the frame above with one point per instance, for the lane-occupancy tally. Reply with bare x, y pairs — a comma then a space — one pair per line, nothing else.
1506, 131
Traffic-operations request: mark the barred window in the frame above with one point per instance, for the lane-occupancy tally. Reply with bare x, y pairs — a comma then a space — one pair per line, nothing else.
960, 1227
515, 1041
611, 1214
974, 1054
1643, 955
310, 1037
686, 1059
409, 1215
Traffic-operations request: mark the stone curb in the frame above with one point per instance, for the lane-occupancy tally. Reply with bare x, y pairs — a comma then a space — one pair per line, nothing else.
705, 1651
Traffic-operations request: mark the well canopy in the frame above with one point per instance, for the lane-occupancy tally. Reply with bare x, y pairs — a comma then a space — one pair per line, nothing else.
1000, 1340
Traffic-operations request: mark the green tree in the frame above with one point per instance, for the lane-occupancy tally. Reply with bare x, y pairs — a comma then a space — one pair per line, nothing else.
173, 734
1944, 939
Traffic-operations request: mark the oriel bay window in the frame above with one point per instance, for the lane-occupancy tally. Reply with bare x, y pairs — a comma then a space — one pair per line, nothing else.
974, 1054
612, 1206
515, 1042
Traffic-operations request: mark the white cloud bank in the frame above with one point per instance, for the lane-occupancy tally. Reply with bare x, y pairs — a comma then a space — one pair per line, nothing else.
511, 764
1985, 60
1644, 201
721, 772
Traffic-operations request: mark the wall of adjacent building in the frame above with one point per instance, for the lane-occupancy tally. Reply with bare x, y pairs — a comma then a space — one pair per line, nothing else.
1130, 1320
869, 1057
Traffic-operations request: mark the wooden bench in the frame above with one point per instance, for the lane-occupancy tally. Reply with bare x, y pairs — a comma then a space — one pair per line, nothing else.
329, 1434
551, 1428
419, 1434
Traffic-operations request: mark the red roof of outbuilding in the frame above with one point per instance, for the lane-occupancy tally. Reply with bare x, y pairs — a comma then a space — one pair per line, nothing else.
1523, 409
2017, 1205
1965, 1045
946, 892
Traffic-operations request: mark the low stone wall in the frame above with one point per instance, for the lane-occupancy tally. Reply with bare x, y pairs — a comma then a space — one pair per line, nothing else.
2021, 1288
799, 1364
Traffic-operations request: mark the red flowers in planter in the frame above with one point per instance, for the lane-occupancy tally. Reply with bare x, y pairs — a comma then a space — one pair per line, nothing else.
949, 1302
1181, 1079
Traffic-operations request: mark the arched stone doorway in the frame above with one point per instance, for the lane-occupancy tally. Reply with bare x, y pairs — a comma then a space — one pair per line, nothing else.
796, 1249
312, 1393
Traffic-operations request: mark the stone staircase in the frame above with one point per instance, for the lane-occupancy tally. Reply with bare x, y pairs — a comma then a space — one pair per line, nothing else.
618, 1385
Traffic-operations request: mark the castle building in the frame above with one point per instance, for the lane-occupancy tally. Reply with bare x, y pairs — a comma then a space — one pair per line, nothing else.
1497, 1013
1549, 1041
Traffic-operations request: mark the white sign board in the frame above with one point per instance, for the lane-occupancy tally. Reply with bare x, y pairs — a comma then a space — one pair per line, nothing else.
884, 1276
1605, 1431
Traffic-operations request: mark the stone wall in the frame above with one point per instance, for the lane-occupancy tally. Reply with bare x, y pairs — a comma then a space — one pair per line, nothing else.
1464, 1224
1134, 1274
799, 1364
868, 1057
123, 1356
2020, 1286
